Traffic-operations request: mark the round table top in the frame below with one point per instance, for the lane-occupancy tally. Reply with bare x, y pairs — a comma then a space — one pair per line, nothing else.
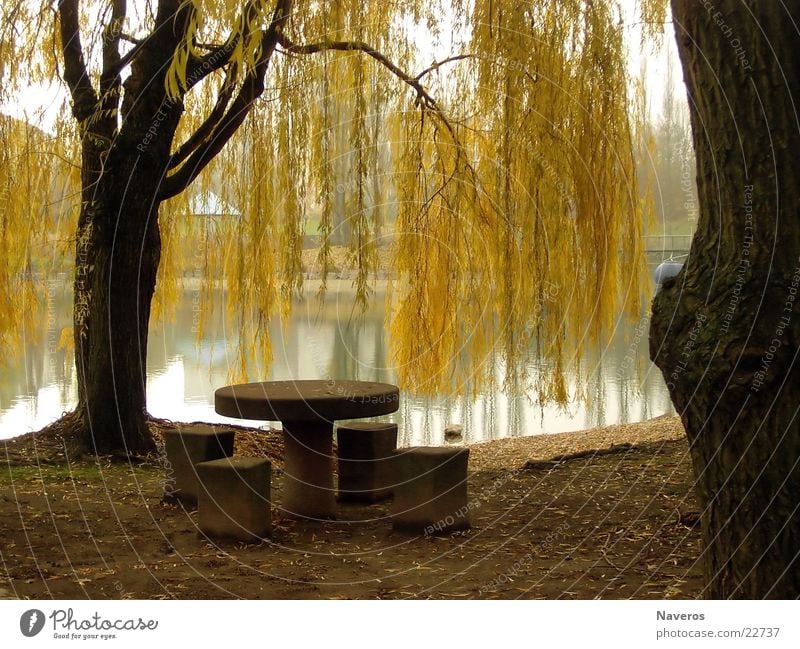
317, 400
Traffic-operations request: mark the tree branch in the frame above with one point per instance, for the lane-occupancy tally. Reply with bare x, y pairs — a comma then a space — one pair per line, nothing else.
109, 78
130, 39
84, 97
252, 88
200, 67
436, 66
206, 128
126, 60
423, 97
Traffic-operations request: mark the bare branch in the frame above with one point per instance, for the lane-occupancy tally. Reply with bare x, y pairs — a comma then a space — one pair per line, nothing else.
252, 88
84, 97
424, 99
130, 39
358, 46
449, 59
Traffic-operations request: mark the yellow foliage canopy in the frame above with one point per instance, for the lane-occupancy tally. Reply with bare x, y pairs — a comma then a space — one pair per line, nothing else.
502, 174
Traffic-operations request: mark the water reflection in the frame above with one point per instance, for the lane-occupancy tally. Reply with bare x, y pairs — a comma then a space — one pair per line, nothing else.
42, 385
328, 341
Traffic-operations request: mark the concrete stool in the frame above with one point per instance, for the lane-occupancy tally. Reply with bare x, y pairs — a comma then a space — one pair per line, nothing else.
430, 491
235, 498
187, 446
365, 460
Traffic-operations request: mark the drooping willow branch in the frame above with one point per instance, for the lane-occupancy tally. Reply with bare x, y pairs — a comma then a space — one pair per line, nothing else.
252, 87
204, 131
424, 99
217, 58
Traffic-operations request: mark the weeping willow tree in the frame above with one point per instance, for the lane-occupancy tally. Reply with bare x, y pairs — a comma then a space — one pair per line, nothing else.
504, 170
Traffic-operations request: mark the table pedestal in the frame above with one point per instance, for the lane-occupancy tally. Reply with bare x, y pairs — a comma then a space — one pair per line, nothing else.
308, 490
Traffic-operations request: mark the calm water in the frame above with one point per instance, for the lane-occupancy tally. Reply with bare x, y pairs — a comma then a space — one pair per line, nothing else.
322, 343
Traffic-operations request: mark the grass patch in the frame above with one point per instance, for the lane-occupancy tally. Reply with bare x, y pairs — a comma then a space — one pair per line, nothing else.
83, 472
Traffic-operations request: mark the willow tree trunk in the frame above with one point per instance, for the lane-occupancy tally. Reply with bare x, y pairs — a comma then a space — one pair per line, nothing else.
118, 244
725, 333
118, 252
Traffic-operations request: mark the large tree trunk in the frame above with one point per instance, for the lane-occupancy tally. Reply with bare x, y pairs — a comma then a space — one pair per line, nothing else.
118, 245
117, 254
725, 333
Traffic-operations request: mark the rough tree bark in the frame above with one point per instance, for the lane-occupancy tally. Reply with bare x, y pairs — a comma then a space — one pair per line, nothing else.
119, 251
118, 243
725, 332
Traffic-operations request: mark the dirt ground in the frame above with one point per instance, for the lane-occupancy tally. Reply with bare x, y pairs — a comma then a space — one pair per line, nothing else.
616, 525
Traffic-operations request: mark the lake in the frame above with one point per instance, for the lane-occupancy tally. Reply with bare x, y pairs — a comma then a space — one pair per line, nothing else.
325, 341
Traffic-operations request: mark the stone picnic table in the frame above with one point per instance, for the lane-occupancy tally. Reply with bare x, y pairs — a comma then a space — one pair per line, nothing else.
307, 410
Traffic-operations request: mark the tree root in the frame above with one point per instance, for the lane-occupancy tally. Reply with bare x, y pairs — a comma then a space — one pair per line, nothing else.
560, 459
